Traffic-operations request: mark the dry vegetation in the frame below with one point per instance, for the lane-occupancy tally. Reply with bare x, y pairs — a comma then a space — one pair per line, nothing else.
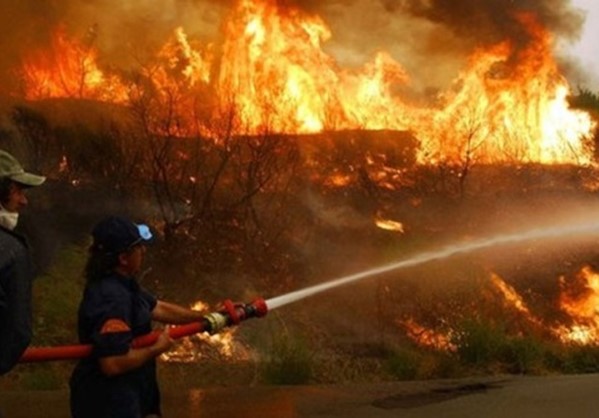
240, 217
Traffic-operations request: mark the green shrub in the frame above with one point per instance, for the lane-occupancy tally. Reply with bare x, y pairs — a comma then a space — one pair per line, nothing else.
404, 364
56, 298
289, 362
478, 342
522, 355
442, 365
45, 376
580, 359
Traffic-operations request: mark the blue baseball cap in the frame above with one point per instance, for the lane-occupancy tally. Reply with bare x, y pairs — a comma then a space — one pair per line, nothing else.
115, 234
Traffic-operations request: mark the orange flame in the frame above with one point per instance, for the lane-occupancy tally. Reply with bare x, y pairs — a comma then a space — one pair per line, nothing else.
511, 107
389, 225
507, 105
274, 70
193, 348
69, 69
511, 297
427, 337
583, 308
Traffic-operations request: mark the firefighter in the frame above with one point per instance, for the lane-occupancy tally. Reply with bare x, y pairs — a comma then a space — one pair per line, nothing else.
16, 269
118, 380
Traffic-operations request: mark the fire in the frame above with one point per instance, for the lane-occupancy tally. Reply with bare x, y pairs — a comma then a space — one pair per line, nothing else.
271, 66
511, 297
69, 69
426, 337
198, 347
578, 299
583, 307
511, 106
507, 105
338, 180
179, 65
389, 225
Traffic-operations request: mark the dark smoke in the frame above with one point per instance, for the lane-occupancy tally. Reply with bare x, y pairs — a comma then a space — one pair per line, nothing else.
492, 21
126, 29
430, 38
25, 23
485, 21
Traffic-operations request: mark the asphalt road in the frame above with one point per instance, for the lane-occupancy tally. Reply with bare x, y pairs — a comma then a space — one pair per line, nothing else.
574, 396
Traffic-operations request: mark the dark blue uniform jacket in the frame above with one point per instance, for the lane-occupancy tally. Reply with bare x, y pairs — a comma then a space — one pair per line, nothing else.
118, 300
16, 277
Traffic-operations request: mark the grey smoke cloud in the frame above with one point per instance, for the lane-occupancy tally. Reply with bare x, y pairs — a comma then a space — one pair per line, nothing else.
429, 37
492, 20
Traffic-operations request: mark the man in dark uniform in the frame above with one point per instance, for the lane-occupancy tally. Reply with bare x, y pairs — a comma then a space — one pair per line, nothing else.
16, 270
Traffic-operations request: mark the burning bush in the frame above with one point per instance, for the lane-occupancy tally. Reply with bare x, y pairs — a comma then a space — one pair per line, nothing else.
271, 167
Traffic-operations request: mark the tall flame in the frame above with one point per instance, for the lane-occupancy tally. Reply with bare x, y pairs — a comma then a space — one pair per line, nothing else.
68, 68
508, 105
510, 295
511, 106
274, 70
583, 308
427, 337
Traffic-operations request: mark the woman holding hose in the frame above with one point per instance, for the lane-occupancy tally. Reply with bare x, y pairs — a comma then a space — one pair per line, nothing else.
117, 380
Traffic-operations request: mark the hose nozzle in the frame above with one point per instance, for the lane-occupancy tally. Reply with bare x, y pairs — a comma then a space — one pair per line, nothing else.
233, 314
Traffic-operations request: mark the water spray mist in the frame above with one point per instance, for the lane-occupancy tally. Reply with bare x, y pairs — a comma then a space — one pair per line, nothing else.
233, 314
427, 257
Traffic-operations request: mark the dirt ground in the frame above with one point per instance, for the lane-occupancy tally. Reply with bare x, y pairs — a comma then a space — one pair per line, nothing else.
513, 396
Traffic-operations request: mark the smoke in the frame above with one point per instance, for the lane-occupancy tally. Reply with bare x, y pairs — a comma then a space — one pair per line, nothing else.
470, 21
25, 24
492, 21
125, 30
430, 38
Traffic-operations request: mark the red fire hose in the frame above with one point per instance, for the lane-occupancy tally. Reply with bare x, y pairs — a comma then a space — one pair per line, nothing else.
212, 323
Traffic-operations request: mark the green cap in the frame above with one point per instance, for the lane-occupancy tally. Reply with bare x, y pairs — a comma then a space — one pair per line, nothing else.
12, 169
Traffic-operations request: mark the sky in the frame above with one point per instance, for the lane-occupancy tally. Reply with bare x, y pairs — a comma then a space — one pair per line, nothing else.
587, 48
